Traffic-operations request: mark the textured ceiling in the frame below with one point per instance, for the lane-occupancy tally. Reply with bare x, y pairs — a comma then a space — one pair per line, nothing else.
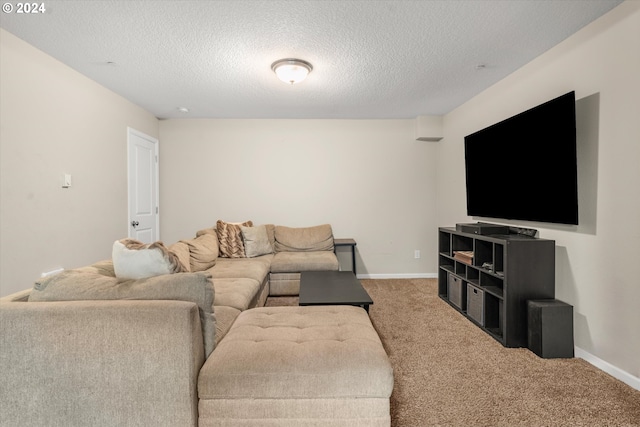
371, 59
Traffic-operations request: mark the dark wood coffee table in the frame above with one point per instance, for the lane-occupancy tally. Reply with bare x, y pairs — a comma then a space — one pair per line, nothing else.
332, 288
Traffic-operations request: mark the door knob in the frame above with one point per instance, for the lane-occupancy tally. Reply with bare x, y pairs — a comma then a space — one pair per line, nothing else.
135, 223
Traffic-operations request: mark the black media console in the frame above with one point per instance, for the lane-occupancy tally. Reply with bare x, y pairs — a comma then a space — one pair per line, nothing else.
490, 278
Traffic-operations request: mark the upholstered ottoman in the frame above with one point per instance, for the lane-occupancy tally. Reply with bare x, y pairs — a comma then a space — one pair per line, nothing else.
297, 366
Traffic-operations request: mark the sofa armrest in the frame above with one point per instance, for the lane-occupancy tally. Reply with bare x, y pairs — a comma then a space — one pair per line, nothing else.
21, 296
99, 363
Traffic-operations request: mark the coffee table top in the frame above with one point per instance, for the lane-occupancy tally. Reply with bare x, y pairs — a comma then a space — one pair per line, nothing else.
332, 288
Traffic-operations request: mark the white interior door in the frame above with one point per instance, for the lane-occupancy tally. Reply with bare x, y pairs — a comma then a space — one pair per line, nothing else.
144, 218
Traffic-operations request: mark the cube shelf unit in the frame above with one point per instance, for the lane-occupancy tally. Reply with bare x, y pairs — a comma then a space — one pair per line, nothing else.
492, 291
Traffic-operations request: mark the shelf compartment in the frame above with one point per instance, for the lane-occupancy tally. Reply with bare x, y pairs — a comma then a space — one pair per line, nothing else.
493, 314
495, 291
492, 284
498, 258
483, 253
461, 243
473, 276
460, 269
446, 263
444, 243
443, 276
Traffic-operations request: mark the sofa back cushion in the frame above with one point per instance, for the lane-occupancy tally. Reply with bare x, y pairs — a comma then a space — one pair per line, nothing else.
203, 251
304, 239
79, 285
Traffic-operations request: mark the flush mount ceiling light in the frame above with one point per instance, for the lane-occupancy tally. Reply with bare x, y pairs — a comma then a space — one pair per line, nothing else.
291, 70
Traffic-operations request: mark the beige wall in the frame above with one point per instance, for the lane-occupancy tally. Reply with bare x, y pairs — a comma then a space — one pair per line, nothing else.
597, 262
55, 121
369, 179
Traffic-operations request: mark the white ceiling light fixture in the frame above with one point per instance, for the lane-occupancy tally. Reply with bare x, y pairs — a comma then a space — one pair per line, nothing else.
291, 70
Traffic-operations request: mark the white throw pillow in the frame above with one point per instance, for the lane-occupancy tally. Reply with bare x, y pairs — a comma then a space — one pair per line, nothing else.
134, 260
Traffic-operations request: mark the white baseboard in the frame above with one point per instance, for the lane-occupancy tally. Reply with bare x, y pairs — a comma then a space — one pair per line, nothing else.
607, 367
399, 276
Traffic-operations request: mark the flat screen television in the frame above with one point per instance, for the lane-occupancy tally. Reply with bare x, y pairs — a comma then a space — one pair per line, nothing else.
525, 167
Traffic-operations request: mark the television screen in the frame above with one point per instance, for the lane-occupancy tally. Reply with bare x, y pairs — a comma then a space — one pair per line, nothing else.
525, 167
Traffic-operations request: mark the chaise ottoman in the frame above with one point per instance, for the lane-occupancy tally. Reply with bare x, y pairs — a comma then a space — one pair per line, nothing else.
297, 366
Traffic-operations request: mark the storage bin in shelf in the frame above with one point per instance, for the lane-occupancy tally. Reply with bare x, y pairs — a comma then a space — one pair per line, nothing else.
475, 304
456, 292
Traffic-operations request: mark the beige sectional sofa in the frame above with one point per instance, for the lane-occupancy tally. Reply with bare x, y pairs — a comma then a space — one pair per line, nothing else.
85, 347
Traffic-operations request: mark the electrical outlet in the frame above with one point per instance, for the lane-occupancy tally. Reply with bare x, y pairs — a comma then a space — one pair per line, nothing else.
416, 253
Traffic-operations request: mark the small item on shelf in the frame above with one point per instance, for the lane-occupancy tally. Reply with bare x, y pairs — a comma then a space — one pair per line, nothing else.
487, 265
463, 256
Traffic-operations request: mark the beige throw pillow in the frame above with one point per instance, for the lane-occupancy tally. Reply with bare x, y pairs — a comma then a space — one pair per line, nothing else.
230, 238
256, 241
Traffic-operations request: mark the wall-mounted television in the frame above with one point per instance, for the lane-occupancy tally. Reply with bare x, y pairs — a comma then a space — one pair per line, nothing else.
525, 167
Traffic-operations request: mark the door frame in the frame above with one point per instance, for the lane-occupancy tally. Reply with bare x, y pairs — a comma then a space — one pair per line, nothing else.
155, 142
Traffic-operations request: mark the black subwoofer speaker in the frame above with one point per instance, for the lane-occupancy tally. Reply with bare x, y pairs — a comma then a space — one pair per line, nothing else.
550, 326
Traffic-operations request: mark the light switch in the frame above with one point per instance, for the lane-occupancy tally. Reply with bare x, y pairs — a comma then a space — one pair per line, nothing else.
66, 181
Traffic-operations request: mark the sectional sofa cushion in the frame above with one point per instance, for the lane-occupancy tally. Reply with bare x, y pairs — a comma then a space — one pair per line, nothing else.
133, 259
230, 238
284, 284
236, 292
203, 251
256, 241
288, 262
304, 239
78, 285
252, 268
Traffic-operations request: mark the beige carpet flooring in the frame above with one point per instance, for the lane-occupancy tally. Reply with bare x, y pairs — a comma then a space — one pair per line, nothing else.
448, 372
